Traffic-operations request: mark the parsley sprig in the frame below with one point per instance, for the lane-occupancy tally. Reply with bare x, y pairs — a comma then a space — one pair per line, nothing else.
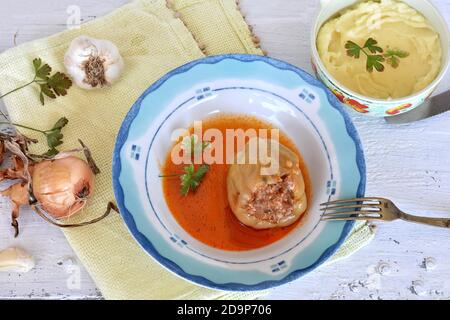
51, 86
192, 176
191, 145
393, 57
374, 54
53, 135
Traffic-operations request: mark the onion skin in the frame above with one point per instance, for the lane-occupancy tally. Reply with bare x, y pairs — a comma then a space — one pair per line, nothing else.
18, 193
62, 186
2, 151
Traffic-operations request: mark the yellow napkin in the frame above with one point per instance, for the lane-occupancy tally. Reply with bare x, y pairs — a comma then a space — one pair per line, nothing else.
153, 39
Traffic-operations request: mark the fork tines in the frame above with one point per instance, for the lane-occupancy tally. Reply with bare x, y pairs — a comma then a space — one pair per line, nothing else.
352, 209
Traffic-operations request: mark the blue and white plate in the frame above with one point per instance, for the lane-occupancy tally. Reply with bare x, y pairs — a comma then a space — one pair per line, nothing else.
274, 91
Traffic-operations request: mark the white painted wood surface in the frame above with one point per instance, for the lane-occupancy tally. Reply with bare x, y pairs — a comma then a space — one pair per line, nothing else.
407, 163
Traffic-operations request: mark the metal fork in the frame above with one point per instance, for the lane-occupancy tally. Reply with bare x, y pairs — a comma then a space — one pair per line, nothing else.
373, 209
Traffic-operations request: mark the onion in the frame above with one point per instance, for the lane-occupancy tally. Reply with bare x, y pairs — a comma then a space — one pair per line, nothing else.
62, 186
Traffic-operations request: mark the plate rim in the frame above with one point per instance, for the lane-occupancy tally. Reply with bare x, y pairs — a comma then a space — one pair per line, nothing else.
171, 266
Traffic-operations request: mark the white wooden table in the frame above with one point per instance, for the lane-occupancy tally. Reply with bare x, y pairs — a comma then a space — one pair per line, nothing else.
407, 163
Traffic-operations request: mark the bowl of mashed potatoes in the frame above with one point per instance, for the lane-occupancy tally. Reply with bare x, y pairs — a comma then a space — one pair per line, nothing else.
381, 58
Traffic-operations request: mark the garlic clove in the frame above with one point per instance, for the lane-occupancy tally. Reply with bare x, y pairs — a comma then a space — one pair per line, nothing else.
107, 50
93, 63
15, 260
79, 50
78, 78
113, 72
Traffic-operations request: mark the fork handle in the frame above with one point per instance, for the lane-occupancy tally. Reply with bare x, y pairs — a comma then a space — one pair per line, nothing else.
438, 222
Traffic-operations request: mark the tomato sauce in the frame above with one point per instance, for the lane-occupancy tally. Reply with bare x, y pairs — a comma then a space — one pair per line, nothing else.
205, 214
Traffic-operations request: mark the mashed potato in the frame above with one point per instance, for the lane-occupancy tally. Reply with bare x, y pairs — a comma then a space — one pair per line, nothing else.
394, 25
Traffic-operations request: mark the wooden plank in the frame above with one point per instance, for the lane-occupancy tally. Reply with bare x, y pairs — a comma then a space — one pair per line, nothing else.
407, 163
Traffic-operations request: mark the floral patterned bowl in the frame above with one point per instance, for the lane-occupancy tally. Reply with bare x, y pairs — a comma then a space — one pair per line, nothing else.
367, 105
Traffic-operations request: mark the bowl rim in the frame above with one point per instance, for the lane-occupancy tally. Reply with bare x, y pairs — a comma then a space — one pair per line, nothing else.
172, 266
388, 102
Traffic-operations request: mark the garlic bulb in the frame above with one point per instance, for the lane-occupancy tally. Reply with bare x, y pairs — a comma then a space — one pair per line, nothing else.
93, 63
15, 260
